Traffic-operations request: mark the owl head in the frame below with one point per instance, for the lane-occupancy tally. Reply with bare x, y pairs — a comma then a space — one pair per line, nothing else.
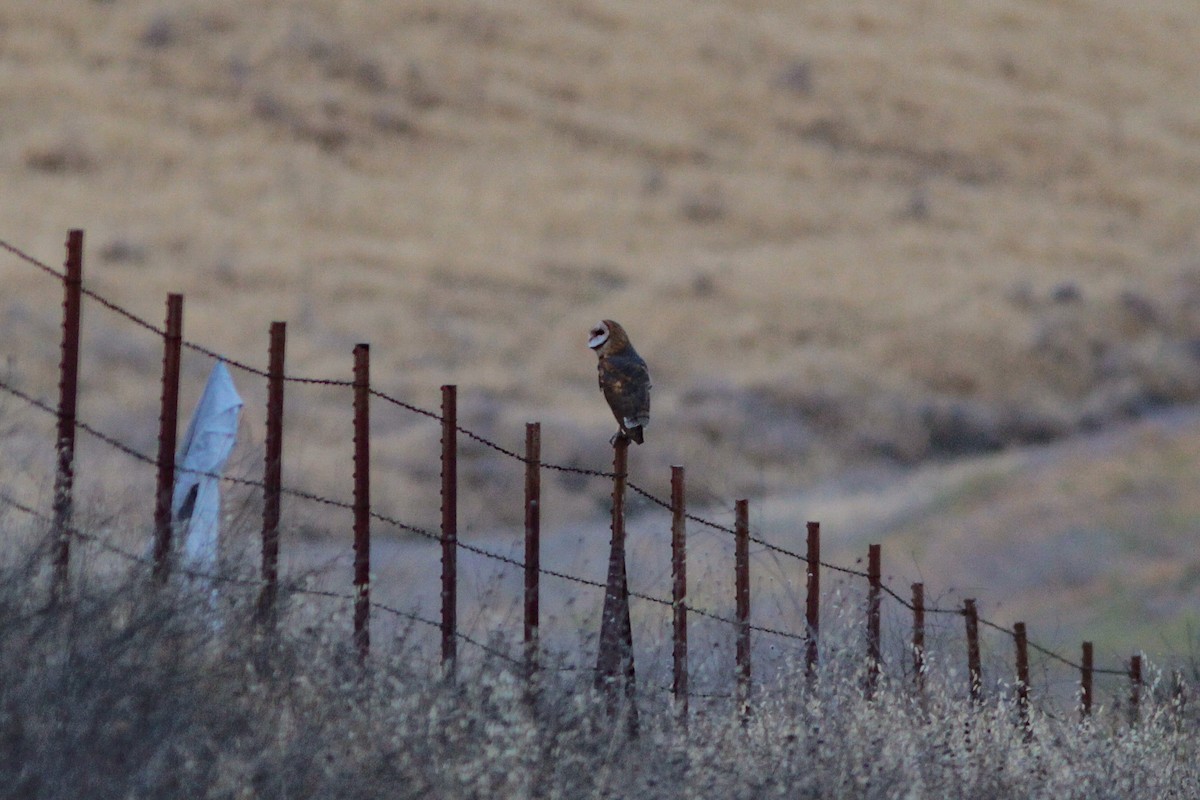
607, 337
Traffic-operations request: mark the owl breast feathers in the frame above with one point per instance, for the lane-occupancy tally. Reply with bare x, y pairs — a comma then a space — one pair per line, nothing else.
624, 379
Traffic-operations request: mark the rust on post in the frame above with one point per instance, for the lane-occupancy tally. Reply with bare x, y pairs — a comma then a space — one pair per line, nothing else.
974, 670
533, 511
813, 604
1135, 689
679, 682
362, 499
68, 389
615, 654
1022, 645
272, 470
608, 657
741, 528
449, 527
1085, 682
874, 652
167, 431
918, 636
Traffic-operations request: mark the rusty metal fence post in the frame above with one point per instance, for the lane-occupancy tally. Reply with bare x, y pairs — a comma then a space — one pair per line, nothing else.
167, 431
1085, 683
874, 651
1022, 646
974, 670
449, 528
1135, 689
813, 603
68, 388
533, 502
272, 471
362, 499
679, 654
741, 559
918, 637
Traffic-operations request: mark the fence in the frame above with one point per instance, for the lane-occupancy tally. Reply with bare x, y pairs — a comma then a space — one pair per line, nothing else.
615, 656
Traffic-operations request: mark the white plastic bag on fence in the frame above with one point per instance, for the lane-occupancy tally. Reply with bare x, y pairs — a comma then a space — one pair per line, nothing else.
211, 435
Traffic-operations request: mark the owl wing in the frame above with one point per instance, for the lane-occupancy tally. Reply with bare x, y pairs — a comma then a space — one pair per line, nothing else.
625, 382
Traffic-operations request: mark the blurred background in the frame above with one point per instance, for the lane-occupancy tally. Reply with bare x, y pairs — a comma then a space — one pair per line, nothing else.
926, 270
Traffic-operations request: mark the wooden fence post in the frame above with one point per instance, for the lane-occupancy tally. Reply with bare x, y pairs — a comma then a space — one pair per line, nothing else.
272, 472
449, 528
918, 636
1022, 646
533, 501
167, 432
615, 655
974, 670
874, 651
679, 683
1135, 689
742, 598
362, 499
813, 604
68, 388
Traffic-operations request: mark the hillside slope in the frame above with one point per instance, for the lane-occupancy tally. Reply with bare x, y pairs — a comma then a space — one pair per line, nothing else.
843, 234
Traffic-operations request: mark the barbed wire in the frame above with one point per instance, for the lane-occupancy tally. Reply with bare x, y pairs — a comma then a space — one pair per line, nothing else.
595, 473
489, 444
513, 562
258, 583
425, 533
486, 442
338, 382
1050, 653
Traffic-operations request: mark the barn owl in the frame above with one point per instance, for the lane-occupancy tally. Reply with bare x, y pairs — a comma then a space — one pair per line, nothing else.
624, 379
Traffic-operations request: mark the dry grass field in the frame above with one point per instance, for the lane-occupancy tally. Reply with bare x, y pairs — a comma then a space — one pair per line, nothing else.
844, 235
132, 692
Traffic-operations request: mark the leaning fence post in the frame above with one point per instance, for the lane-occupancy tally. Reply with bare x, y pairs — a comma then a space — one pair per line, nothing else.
742, 597
1135, 688
533, 501
813, 604
362, 499
679, 683
918, 636
272, 471
1022, 645
1085, 683
68, 386
974, 670
167, 432
449, 528
874, 654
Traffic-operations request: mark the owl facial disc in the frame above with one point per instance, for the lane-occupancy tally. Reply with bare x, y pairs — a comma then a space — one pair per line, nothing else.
598, 336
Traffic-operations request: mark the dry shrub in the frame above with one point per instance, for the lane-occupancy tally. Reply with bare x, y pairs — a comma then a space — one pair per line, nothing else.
136, 690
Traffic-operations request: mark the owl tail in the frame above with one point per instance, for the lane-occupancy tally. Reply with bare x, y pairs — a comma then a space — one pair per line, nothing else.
635, 433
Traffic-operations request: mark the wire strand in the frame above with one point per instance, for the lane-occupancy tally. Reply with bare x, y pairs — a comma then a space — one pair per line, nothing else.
135, 319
